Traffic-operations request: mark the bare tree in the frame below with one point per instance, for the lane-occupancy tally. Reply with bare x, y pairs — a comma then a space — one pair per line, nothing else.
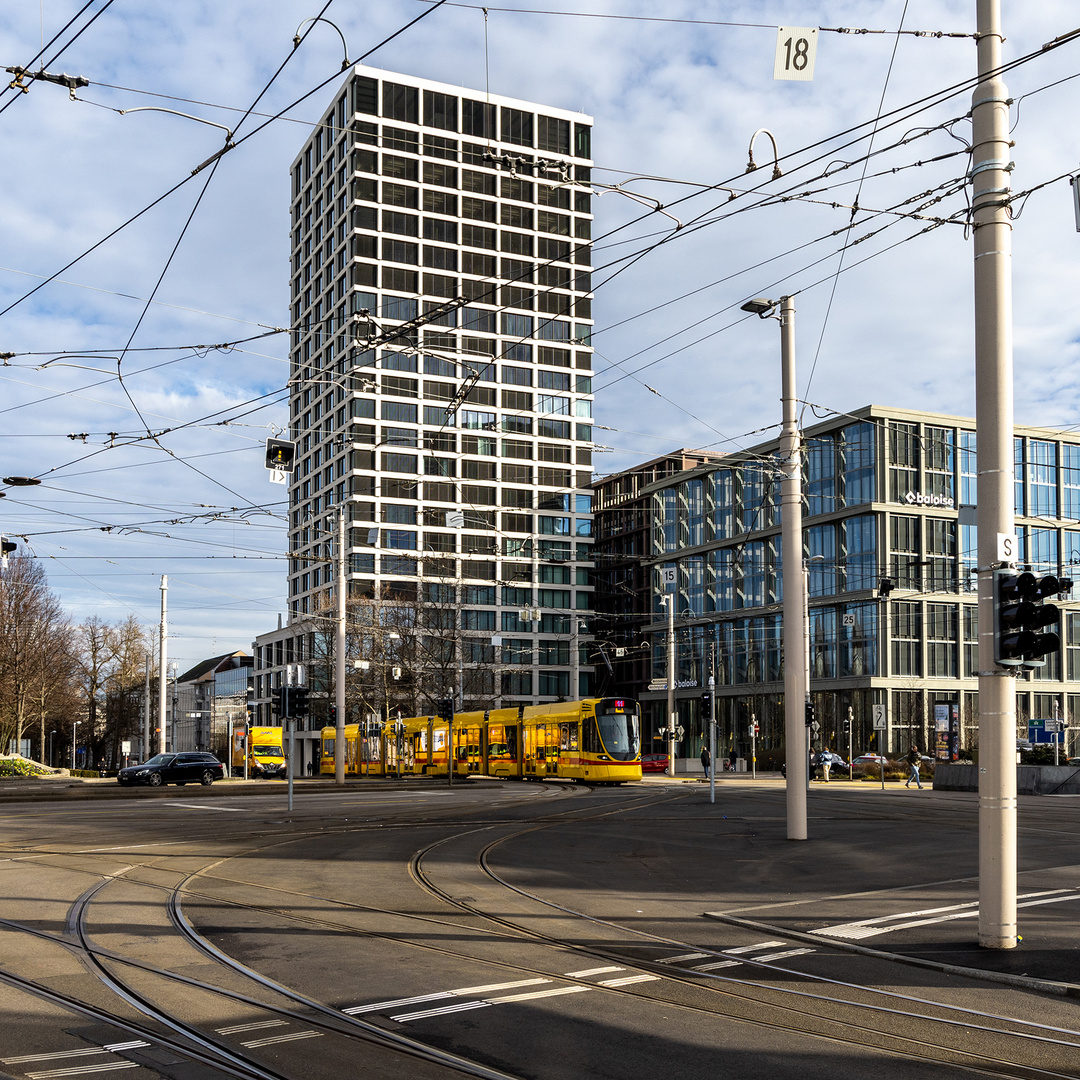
34, 651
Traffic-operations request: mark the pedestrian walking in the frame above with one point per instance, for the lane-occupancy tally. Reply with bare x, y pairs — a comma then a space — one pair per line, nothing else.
825, 761
734, 758
706, 760
914, 759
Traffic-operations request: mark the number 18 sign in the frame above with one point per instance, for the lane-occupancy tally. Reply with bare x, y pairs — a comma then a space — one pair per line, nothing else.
796, 48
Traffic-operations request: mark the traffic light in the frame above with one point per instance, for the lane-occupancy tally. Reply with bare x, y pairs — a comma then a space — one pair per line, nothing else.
1020, 618
706, 704
333, 715
810, 716
280, 454
444, 707
277, 701
299, 700
845, 726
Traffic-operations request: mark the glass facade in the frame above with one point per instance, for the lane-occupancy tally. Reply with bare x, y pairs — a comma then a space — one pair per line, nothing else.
888, 564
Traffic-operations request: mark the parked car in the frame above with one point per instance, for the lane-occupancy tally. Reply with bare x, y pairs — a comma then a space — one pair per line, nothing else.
870, 759
190, 767
654, 763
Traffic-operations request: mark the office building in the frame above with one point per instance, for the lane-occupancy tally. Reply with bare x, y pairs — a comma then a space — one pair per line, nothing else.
441, 392
890, 554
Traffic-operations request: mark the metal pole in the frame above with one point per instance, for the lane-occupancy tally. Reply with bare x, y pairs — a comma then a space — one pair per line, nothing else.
850, 741
796, 683
669, 599
162, 650
712, 736
289, 763
1057, 730
146, 709
994, 434
753, 746
74, 739
808, 738
339, 652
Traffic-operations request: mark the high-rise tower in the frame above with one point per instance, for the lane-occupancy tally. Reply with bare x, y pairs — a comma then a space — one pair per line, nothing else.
441, 376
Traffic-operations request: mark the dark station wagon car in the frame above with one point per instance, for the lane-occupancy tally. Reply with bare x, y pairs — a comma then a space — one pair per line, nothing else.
190, 767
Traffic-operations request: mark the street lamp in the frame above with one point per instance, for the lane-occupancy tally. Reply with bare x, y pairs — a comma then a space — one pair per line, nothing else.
796, 686
51, 734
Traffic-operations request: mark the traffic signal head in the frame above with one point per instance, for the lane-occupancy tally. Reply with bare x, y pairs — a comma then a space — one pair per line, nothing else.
298, 698
846, 726
1020, 618
280, 453
277, 701
445, 708
706, 703
809, 713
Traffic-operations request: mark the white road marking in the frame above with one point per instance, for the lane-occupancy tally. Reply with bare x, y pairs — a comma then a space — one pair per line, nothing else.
284, 1038
683, 956
355, 1010
206, 806
463, 1006
781, 955
865, 928
83, 1070
464, 991
556, 992
497, 986
719, 964
753, 948
629, 979
237, 1028
110, 1049
592, 971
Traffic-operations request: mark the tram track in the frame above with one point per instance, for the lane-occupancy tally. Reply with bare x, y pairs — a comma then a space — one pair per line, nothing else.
798, 1011
745, 1000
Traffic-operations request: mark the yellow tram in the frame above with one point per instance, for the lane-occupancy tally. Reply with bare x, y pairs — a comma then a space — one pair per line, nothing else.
597, 740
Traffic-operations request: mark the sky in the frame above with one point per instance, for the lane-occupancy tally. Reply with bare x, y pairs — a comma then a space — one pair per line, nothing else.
142, 305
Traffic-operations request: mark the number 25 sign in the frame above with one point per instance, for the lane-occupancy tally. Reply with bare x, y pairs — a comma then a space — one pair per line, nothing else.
796, 48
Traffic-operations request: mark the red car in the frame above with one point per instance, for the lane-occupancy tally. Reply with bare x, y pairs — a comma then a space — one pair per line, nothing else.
654, 763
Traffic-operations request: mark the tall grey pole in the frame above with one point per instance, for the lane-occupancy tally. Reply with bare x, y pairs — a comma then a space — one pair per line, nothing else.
994, 435
146, 709
712, 736
795, 682
163, 634
670, 601
339, 652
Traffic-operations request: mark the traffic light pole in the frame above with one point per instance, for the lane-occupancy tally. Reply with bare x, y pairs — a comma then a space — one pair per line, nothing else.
339, 651
712, 736
990, 168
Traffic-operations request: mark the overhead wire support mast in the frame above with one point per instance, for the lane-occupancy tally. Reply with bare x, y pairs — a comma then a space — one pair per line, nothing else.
990, 169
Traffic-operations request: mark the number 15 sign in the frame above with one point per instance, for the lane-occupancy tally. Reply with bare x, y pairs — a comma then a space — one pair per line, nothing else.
796, 48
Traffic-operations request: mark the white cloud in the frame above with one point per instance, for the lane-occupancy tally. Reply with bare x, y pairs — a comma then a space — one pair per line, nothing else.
669, 100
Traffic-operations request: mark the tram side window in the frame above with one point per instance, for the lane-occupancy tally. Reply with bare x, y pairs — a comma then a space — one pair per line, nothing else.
564, 736
512, 743
328, 747
591, 739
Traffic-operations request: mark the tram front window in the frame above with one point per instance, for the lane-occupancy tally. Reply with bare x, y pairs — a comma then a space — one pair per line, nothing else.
619, 734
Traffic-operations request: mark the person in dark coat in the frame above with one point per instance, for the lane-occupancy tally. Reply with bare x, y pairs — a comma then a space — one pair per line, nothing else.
706, 760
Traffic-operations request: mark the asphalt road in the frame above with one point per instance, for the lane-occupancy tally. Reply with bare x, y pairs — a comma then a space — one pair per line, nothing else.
527, 930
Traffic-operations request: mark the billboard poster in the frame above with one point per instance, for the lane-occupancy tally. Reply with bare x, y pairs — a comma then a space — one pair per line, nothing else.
942, 747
